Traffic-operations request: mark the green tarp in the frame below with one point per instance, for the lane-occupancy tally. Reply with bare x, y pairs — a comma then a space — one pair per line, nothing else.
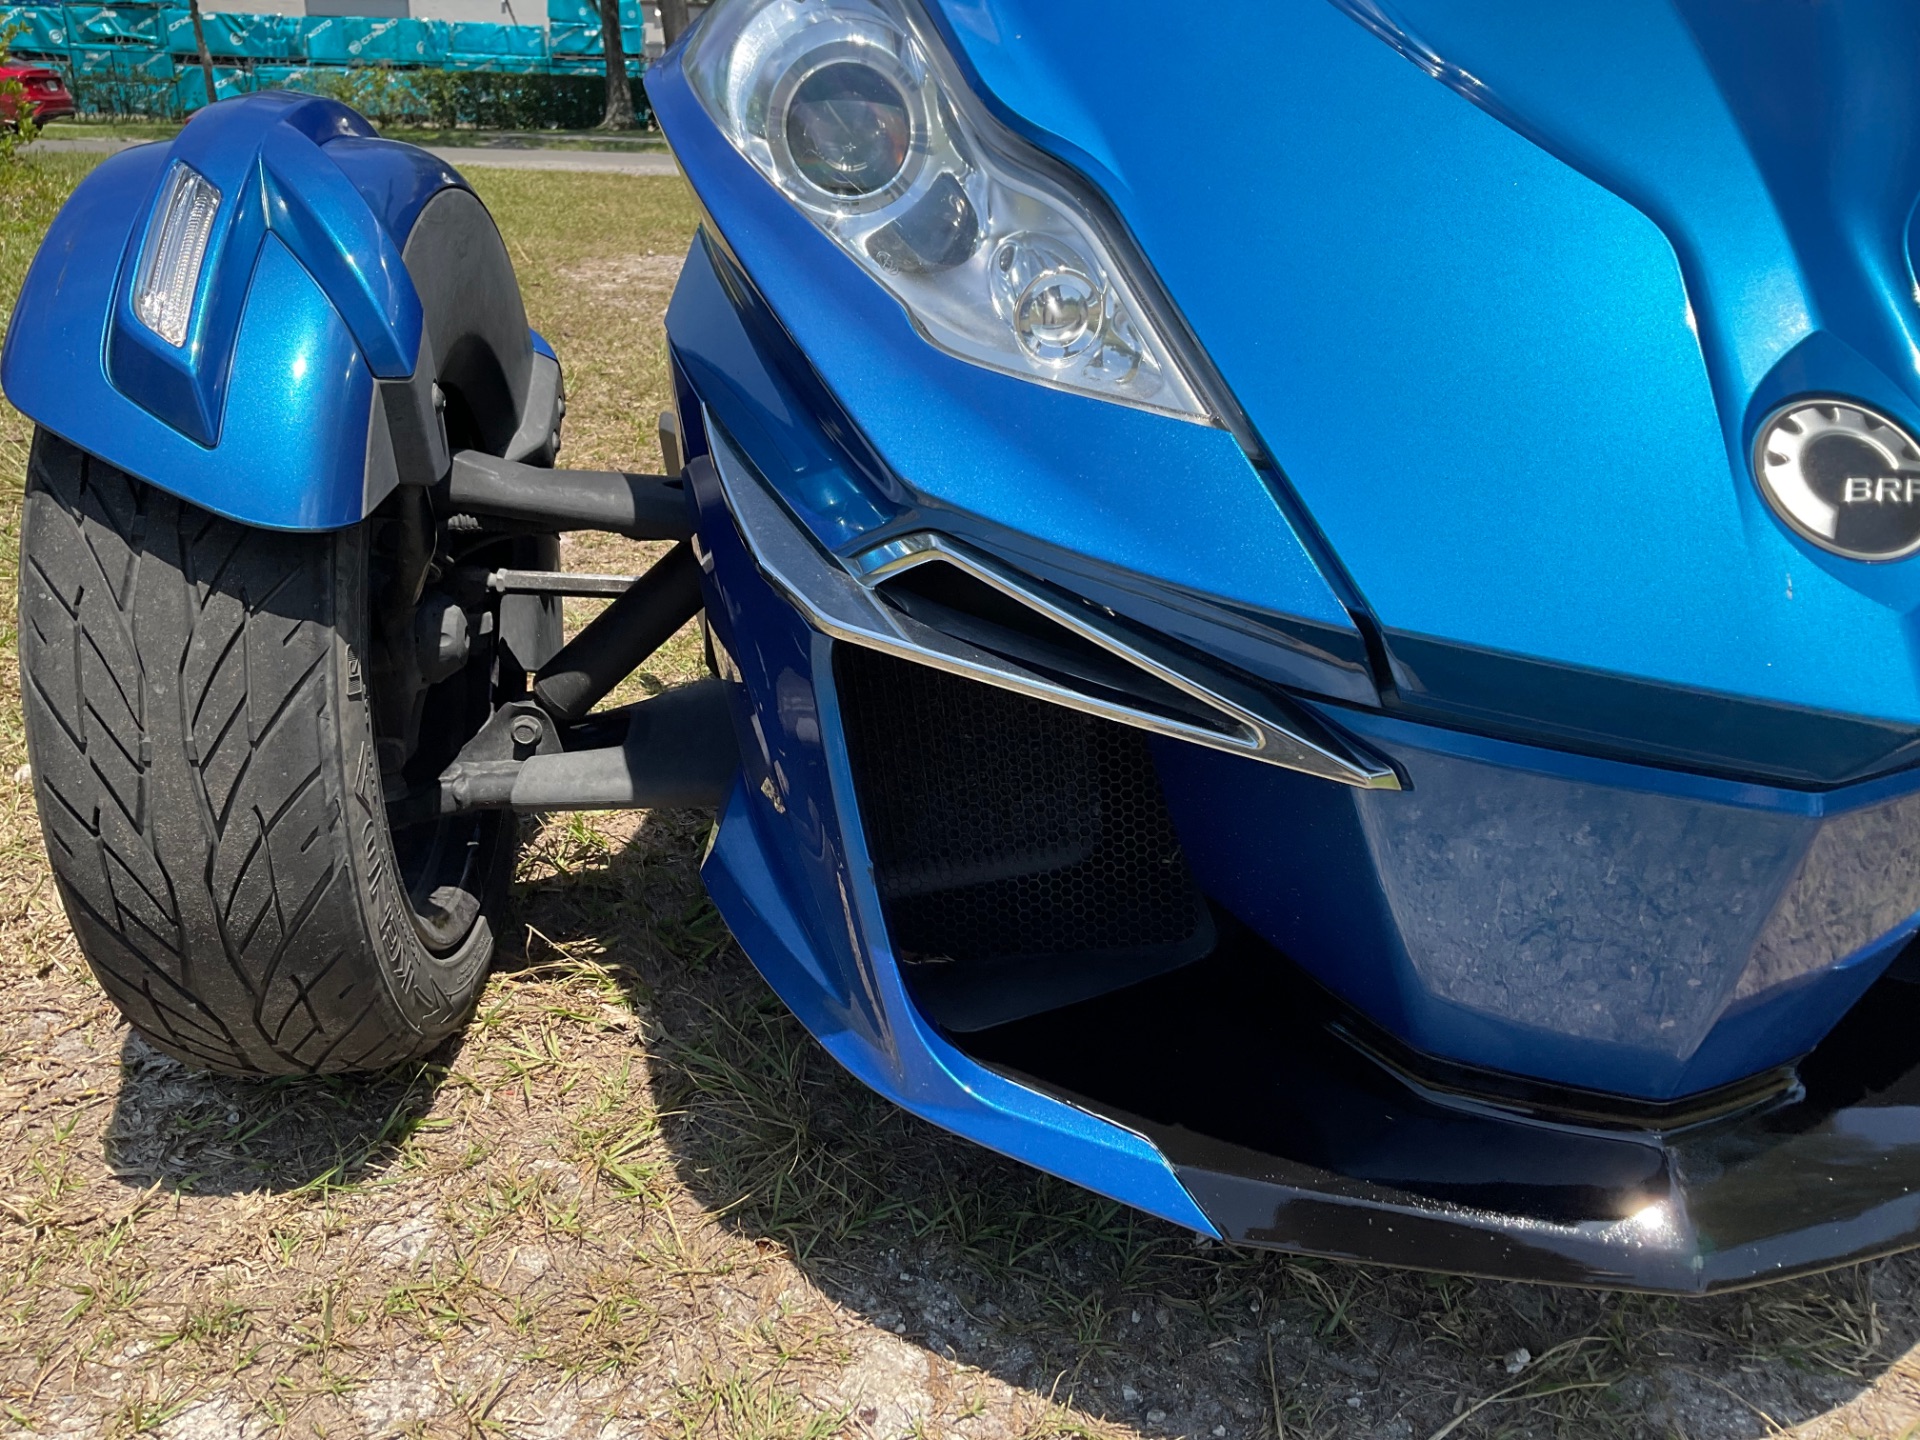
585, 40
42, 28
136, 45
236, 36
587, 12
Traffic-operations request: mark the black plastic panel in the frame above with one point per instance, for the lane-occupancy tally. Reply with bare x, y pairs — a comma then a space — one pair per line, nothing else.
1290, 1135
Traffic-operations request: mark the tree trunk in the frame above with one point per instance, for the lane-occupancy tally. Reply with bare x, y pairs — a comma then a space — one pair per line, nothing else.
619, 114
673, 20
206, 59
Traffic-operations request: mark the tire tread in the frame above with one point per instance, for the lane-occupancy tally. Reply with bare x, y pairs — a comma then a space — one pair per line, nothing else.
185, 734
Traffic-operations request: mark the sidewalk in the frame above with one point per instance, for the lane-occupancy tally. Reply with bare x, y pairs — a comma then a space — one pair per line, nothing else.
463, 157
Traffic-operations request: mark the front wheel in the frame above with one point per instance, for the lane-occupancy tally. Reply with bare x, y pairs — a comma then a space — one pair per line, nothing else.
214, 725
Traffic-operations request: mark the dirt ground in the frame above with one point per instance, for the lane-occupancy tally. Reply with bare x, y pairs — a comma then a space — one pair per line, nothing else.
636, 1200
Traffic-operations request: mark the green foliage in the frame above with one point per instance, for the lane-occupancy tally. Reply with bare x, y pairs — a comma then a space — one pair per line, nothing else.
481, 99
386, 95
16, 115
121, 90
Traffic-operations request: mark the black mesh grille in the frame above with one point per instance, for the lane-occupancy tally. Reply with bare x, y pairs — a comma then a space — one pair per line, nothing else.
1004, 827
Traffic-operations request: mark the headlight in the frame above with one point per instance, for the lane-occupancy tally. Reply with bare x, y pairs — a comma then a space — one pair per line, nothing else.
862, 124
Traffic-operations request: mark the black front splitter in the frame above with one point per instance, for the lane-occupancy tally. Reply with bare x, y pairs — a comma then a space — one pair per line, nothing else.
1289, 1134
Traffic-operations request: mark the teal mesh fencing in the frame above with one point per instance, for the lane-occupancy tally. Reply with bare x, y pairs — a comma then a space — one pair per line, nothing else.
121, 62
586, 12
190, 86
42, 29
101, 25
235, 37
358, 39
469, 39
141, 59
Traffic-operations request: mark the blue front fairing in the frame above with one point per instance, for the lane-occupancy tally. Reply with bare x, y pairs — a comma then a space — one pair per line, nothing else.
1613, 927
1509, 337
788, 869
1165, 502
1502, 351
302, 305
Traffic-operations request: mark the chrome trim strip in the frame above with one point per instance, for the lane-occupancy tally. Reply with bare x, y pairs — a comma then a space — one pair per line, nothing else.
844, 604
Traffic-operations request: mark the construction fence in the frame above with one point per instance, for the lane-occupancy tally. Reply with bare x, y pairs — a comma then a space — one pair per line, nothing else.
142, 60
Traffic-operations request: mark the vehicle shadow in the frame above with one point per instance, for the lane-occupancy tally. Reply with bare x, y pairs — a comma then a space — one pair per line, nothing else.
1051, 1288
189, 1130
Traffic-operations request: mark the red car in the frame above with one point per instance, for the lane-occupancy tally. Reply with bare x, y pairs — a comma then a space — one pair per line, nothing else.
45, 93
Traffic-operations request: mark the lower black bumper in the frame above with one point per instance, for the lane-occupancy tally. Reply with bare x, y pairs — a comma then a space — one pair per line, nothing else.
1290, 1131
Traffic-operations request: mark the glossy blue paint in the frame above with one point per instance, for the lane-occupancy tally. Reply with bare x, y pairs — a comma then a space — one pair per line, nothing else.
732, 361
1584, 921
1507, 317
262, 415
788, 871
277, 465
746, 369
1507, 341
264, 160
395, 181
1130, 490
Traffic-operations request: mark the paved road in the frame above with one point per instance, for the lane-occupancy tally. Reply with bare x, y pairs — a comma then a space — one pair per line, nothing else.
602, 162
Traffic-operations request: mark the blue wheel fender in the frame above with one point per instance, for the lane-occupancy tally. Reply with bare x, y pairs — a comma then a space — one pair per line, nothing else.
304, 390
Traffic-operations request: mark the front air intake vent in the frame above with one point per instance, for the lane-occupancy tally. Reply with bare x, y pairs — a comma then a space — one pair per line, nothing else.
1023, 852
974, 615
947, 599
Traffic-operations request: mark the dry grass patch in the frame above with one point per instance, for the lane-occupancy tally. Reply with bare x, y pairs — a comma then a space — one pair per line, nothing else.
637, 1200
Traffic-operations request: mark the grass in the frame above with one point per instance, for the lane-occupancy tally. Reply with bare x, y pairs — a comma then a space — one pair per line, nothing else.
637, 1200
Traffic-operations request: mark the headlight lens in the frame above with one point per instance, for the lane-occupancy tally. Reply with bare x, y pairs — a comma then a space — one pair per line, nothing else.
842, 106
848, 130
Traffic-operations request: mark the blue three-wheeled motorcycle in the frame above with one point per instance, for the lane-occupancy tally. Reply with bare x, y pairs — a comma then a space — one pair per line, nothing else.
1322, 636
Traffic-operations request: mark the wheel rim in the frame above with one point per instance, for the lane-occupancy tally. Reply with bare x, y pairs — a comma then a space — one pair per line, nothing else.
447, 866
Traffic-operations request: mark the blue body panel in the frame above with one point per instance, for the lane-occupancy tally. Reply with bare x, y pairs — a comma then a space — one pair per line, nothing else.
304, 302
1642, 919
1463, 315
1602, 925
1594, 923
788, 870
743, 362
1165, 499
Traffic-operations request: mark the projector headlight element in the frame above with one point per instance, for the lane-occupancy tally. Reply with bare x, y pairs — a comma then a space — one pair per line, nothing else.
856, 115
847, 129
167, 278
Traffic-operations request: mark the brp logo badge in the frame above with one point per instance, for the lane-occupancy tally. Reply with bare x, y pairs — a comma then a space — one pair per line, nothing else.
1844, 476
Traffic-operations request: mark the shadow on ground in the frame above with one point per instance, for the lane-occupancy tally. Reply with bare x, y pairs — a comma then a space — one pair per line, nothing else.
1041, 1284
1051, 1288
188, 1130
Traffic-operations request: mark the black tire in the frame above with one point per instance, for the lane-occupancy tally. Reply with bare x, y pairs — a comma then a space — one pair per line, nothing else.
203, 756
